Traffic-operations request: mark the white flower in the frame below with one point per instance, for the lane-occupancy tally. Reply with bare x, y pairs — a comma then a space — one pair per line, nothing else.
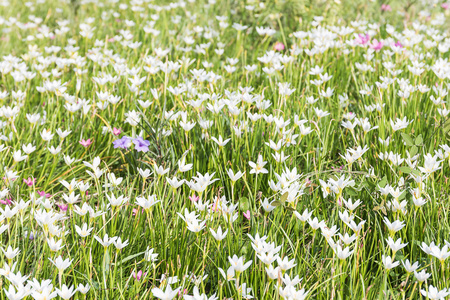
219, 235
258, 167
83, 288
388, 262
221, 142
435, 294
106, 240
147, 203
61, 264
144, 173
65, 292
10, 253
234, 177
238, 263
168, 294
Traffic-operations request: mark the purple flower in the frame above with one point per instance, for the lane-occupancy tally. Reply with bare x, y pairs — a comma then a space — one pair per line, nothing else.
122, 143
32, 235
141, 144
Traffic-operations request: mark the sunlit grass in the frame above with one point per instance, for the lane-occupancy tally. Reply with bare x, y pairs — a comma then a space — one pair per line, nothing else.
224, 150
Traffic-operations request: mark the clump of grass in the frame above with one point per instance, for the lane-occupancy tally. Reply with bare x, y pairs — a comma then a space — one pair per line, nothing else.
224, 150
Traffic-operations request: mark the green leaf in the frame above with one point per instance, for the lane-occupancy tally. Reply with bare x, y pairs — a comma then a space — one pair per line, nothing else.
415, 172
243, 204
406, 170
399, 256
419, 140
351, 192
284, 197
408, 139
106, 261
380, 207
447, 126
96, 285
131, 257
413, 150
276, 203
383, 182
362, 185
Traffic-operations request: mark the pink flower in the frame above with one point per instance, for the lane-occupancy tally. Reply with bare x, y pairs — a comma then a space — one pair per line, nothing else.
445, 5
86, 143
111, 40
398, 44
139, 275
116, 131
337, 169
386, 7
247, 215
363, 39
194, 198
30, 181
43, 194
136, 211
62, 207
215, 206
7, 201
376, 45
278, 46
5, 179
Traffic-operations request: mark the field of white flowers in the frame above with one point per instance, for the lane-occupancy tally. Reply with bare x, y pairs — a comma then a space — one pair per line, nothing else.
209, 149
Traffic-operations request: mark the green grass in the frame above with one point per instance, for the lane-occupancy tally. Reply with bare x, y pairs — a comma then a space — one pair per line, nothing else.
198, 68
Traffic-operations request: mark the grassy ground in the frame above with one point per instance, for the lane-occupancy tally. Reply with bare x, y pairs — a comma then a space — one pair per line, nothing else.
316, 112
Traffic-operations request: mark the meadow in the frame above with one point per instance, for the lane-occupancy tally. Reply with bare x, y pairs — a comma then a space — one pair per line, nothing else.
204, 150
